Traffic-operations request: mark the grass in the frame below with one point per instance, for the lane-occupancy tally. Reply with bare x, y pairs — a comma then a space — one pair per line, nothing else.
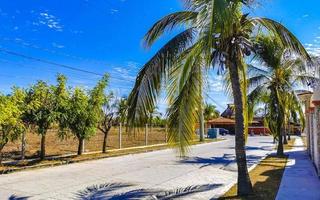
266, 178
36, 163
57, 147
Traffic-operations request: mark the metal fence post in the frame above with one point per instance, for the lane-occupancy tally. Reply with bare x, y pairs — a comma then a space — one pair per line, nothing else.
146, 135
166, 134
120, 135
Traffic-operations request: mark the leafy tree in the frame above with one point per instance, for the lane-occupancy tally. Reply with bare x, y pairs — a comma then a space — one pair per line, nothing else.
274, 84
43, 111
11, 126
108, 115
22, 100
216, 34
211, 112
84, 112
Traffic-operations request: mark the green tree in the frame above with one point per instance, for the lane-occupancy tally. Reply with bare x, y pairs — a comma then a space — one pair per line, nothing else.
108, 115
11, 126
84, 112
216, 34
211, 112
274, 84
22, 100
43, 111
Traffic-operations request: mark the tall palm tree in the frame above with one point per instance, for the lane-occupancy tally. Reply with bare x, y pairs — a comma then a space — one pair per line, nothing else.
274, 84
215, 34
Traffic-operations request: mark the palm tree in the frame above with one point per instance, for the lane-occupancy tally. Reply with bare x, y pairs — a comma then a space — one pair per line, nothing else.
211, 112
273, 84
216, 34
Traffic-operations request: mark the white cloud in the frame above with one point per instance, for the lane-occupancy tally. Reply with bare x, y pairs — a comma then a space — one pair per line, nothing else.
113, 11
59, 46
304, 16
49, 20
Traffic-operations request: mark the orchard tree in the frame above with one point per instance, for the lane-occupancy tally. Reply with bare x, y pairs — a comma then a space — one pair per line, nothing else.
10, 124
108, 115
84, 112
22, 99
43, 112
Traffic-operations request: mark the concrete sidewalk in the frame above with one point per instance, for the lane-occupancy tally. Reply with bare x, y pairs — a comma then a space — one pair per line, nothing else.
299, 181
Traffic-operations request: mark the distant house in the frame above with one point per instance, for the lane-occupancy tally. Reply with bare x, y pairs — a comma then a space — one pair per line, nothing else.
227, 121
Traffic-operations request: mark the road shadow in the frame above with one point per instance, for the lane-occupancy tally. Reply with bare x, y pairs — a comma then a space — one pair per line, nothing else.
15, 197
108, 192
225, 161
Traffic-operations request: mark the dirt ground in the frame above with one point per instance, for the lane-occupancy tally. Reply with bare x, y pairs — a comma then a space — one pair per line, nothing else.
57, 146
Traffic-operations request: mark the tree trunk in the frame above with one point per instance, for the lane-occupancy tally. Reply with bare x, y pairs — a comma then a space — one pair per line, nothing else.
23, 145
1, 157
104, 146
80, 146
244, 183
289, 130
280, 144
43, 147
285, 137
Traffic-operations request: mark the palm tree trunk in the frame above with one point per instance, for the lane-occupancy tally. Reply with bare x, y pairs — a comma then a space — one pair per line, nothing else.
43, 146
285, 137
280, 144
244, 183
80, 146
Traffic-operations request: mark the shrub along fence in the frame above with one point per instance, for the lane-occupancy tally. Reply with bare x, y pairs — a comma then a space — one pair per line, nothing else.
118, 137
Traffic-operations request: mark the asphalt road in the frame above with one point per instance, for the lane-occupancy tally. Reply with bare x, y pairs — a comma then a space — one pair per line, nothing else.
207, 172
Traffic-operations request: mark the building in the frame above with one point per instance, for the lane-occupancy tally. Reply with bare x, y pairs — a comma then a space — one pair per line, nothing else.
312, 130
227, 121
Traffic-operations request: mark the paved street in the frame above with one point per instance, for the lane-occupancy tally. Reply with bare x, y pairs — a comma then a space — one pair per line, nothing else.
207, 173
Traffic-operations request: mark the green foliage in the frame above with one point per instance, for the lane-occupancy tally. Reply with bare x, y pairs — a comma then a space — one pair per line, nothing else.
274, 84
210, 112
43, 106
82, 110
11, 125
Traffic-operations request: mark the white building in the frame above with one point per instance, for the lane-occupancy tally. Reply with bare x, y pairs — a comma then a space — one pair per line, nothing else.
312, 129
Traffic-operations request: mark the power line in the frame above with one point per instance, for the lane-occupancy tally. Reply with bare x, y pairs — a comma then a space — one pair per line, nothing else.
27, 44
48, 62
57, 64
214, 101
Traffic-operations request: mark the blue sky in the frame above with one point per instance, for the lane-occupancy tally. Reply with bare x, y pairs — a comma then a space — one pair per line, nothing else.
105, 36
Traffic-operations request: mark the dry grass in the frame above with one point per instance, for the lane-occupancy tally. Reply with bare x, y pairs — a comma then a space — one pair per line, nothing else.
266, 178
55, 146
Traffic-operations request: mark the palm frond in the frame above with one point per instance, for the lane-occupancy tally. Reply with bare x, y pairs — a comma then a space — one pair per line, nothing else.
168, 23
287, 38
144, 95
182, 114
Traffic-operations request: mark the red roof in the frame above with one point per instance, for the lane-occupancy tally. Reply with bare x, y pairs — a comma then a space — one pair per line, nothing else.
221, 120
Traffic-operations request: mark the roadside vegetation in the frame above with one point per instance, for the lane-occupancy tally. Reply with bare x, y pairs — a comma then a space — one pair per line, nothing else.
29, 117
